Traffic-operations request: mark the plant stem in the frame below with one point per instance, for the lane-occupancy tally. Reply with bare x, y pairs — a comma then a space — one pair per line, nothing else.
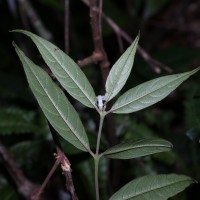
96, 168
102, 115
97, 157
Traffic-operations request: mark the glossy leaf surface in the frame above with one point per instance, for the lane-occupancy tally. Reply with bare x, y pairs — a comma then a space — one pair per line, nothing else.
156, 187
149, 93
120, 71
134, 149
67, 72
54, 104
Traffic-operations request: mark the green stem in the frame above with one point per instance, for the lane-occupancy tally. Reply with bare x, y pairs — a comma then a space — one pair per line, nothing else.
97, 157
96, 165
99, 133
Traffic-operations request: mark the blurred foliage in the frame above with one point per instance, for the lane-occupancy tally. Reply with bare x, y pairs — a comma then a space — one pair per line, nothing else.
7, 191
16, 120
169, 34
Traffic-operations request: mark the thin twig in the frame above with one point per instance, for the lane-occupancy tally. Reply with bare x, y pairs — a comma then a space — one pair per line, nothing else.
99, 53
100, 15
98, 41
66, 169
37, 195
120, 43
61, 160
104, 65
66, 25
35, 20
94, 58
23, 16
154, 64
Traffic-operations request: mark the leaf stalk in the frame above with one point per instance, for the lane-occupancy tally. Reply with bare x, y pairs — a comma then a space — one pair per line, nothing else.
97, 156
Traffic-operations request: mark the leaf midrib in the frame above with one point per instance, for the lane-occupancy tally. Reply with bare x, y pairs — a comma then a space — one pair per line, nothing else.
157, 188
66, 71
126, 149
77, 136
119, 107
116, 80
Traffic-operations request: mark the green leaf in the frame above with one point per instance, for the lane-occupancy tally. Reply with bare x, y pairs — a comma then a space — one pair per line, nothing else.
149, 93
156, 187
134, 149
54, 104
7, 192
120, 71
67, 72
18, 121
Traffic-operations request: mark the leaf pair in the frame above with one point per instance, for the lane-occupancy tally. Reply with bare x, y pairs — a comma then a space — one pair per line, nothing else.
154, 187
58, 110
61, 113
67, 72
143, 95
50, 97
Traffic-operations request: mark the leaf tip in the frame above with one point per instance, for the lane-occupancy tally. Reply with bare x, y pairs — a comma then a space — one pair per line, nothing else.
170, 145
198, 68
17, 49
14, 44
16, 30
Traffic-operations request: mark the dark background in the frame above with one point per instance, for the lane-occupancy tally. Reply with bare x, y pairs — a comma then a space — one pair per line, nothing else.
169, 32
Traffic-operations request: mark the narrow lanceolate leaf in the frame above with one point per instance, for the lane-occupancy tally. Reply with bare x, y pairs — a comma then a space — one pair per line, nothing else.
156, 187
134, 149
149, 93
54, 104
120, 71
67, 72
